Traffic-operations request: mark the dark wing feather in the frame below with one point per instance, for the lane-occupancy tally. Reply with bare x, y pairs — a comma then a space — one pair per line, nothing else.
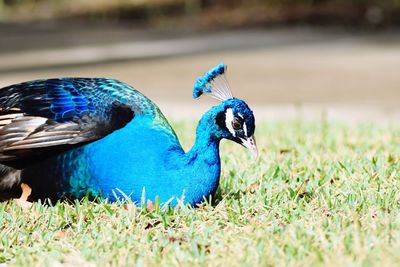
57, 114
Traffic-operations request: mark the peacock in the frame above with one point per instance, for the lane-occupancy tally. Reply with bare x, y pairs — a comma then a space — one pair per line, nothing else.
68, 138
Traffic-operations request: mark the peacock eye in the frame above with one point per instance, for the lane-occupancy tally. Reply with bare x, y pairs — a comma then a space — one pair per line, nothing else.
236, 124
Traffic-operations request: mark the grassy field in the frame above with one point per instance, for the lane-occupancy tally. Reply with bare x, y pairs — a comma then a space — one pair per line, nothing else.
320, 194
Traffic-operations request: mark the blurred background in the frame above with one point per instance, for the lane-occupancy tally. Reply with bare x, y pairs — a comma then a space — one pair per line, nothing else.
338, 59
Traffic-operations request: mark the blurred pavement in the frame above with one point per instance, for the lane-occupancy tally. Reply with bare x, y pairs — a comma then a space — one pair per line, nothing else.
281, 73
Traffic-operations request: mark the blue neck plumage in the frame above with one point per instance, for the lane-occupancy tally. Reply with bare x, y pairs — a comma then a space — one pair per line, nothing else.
203, 161
207, 141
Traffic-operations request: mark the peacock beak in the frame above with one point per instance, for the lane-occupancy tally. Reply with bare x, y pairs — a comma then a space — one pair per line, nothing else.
250, 143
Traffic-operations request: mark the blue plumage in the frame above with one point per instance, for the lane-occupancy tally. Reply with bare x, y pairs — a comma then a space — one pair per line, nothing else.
71, 137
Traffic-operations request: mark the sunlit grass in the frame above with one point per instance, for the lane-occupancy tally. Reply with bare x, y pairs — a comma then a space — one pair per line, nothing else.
320, 194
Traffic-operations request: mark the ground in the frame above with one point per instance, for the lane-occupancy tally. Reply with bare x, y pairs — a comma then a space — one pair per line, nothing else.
321, 194
349, 75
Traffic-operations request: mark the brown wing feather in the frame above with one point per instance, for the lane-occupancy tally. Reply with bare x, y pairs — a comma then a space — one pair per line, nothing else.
28, 132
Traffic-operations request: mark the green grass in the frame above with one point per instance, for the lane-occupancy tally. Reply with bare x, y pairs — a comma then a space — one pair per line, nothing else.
320, 194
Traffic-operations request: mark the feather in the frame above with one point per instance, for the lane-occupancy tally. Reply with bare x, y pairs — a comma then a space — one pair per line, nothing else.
213, 83
59, 113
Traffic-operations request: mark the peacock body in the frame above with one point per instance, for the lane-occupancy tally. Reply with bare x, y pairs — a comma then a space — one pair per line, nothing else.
76, 137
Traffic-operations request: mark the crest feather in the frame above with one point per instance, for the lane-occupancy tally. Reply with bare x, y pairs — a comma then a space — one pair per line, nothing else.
214, 83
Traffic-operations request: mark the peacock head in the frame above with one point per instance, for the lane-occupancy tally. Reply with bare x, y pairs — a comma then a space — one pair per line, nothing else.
234, 120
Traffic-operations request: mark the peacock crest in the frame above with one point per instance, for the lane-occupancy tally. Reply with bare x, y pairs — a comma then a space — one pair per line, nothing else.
214, 83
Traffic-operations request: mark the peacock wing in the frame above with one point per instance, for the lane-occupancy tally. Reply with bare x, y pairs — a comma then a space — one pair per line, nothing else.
49, 116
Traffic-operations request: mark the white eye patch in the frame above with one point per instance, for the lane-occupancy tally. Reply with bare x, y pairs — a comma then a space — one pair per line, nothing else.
228, 121
245, 129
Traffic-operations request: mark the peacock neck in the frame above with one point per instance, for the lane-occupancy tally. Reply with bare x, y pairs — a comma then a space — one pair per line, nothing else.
203, 163
206, 145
